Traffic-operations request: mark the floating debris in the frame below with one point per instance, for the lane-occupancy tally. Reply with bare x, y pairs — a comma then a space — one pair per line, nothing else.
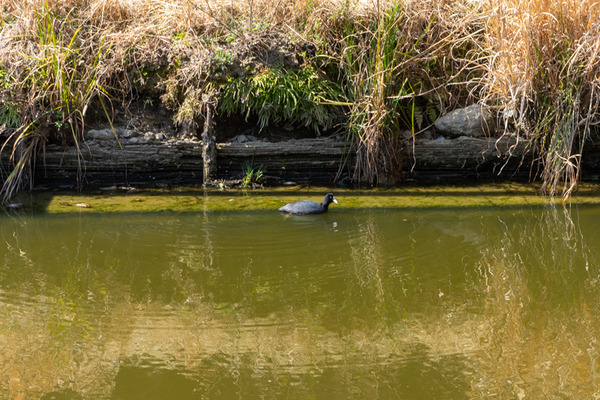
14, 206
83, 205
108, 188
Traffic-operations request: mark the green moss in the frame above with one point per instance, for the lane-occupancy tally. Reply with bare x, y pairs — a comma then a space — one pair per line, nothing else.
194, 199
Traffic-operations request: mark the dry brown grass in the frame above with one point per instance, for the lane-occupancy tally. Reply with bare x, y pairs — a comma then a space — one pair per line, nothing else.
543, 70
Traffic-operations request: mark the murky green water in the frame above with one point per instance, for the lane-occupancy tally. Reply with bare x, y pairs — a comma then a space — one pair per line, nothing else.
468, 303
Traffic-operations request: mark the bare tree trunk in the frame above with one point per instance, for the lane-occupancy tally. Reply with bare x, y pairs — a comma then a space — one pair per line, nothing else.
209, 150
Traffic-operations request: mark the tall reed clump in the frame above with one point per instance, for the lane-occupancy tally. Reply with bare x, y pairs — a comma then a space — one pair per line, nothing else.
404, 64
57, 77
544, 69
369, 55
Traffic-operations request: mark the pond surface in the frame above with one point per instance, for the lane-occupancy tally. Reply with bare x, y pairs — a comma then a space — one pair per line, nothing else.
387, 303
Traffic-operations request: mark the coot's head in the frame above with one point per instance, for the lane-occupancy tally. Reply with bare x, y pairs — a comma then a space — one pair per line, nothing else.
329, 198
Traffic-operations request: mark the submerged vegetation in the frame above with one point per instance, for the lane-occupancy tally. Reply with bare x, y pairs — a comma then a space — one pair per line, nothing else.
373, 70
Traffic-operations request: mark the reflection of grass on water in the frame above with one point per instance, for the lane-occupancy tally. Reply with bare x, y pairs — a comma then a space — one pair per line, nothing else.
538, 327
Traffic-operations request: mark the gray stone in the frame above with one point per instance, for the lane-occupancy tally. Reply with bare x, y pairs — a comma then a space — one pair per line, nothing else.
109, 134
100, 134
473, 121
426, 135
240, 139
244, 139
126, 133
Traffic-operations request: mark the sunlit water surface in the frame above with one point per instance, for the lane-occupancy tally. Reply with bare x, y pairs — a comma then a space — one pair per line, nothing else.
354, 304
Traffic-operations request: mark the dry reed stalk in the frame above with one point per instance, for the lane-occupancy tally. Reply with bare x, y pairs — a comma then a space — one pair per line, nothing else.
544, 70
407, 63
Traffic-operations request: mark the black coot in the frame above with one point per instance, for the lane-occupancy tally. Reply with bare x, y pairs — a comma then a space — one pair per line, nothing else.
309, 206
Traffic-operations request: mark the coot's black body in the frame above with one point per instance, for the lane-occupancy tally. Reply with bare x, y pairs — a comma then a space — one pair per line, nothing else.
308, 206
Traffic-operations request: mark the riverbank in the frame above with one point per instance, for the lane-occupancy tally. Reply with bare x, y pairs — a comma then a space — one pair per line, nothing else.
172, 84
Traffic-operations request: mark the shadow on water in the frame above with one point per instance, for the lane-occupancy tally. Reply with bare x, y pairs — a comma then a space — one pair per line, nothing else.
461, 304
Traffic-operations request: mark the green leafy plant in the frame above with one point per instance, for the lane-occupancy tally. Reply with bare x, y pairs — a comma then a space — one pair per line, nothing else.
277, 96
9, 115
178, 36
252, 176
221, 60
